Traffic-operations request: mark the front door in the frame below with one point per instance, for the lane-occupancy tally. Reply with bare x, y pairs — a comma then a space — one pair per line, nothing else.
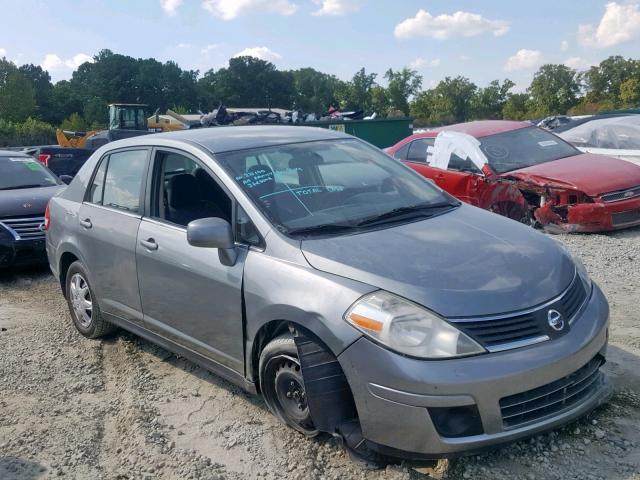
188, 295
109, 219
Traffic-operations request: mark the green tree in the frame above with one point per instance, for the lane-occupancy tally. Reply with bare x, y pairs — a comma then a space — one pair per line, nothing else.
603, 82
516, 107
451, 101
421, 108
630, 93
356, 94
554, 90
42, 88
314, 91
380, 103
489, 102
247, 82
17, 101
74, 123
403, 85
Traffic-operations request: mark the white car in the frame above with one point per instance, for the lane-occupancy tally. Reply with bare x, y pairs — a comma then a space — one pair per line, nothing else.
617, 136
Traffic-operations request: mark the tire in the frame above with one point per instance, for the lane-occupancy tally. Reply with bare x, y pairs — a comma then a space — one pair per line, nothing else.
282, 385
83, 307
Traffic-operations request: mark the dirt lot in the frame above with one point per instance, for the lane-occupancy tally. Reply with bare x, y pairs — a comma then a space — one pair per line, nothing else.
123, 408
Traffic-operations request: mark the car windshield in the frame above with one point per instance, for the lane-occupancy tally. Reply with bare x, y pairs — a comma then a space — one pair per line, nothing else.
24, 172
333, 184
524, 147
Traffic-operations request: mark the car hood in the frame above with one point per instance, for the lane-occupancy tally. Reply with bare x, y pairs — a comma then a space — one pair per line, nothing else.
464, 263
26, 201
588, 173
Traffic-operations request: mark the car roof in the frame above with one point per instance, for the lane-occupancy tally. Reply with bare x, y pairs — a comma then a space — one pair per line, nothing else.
477, 129
226, 139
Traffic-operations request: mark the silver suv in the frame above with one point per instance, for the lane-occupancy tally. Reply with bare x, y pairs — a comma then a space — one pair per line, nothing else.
358, 298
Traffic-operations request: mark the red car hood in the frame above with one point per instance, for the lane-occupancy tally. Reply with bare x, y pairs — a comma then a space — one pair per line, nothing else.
588, 173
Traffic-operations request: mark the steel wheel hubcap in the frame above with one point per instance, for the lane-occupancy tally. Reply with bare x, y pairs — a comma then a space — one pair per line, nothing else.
291, 395
81, 300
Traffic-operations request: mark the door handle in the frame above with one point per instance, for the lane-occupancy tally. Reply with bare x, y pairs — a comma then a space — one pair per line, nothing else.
86, 223
149, 244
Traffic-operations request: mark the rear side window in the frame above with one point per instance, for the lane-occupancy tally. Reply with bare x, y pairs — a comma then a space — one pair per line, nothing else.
97, 186
401, 153
118, 181
418, 150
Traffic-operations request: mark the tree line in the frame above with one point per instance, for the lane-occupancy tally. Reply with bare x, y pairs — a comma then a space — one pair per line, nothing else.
26, 91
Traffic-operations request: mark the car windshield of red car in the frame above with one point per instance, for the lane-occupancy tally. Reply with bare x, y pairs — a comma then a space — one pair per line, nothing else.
523, 148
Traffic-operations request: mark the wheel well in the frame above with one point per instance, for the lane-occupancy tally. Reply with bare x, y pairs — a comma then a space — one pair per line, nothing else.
65, 262
267, 332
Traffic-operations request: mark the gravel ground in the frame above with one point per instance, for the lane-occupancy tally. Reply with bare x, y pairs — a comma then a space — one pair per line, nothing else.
124, 408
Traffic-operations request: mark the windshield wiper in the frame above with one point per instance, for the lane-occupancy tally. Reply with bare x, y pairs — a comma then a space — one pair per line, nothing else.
18, 187
327, 228
422, 210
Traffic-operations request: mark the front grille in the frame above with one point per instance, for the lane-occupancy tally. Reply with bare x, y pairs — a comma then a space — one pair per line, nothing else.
553, 398
625, 217
25, 228
621, 195
522, 328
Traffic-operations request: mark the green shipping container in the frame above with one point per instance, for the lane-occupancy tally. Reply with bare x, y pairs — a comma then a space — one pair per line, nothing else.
382, 133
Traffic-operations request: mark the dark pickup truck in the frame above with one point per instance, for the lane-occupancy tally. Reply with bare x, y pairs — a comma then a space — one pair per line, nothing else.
60, 160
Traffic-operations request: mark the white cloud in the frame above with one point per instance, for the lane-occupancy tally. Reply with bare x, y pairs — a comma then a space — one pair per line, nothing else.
578, 63
620, 23
262, 53
420, 62
230, 9
52, 62
184, 45
564, 46
210, 47
524, 59
170, 7
78, 60
337, 7
441, 27
3, 52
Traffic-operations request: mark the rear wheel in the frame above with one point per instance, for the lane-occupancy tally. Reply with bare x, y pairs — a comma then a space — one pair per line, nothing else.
83, 307
282, 385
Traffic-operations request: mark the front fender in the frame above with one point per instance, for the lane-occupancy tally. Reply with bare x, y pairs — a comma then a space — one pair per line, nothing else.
275, 290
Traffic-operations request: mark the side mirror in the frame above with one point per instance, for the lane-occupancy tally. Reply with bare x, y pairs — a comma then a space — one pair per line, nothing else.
66, 179
213, 233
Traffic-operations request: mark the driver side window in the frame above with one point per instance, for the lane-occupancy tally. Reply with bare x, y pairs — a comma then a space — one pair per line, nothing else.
459, 164
184, 191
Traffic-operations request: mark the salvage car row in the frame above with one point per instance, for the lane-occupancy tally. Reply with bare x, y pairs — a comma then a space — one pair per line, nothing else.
357, 297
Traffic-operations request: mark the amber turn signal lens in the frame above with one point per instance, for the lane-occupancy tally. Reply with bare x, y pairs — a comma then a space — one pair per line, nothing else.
367, 323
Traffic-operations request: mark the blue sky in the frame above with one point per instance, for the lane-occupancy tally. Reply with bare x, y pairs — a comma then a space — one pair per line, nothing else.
481, 40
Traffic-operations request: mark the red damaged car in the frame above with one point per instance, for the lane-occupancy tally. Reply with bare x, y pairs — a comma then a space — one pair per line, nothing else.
528, 174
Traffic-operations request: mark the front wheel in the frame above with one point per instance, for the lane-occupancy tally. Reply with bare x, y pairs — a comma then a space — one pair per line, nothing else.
282, 385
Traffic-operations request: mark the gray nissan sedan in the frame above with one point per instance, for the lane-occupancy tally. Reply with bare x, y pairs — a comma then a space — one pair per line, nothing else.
357, 297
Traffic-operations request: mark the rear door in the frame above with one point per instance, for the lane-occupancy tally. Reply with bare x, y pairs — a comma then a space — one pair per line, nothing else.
188, 295
109, 220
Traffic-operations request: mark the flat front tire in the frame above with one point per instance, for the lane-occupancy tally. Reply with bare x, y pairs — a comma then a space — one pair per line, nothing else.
282, 385
84, 309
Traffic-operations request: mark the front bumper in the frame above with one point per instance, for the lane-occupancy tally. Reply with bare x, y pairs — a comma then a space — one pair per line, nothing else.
14, 253
603, 216
393, 393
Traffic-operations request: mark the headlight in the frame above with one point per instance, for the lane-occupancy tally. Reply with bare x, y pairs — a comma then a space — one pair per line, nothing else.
408, 328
